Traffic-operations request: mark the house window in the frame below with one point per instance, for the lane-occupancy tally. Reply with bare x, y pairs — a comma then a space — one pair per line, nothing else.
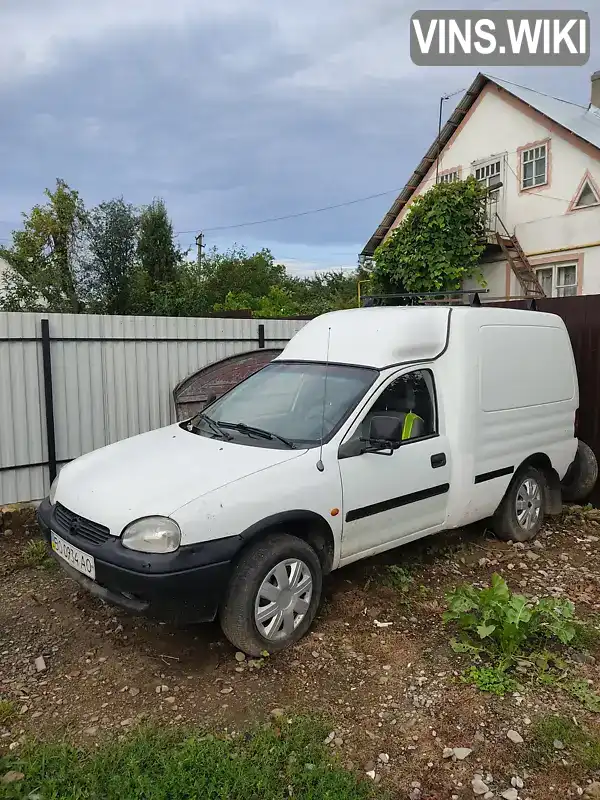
534, 166
587, 196
449, 177
558, 280
488, 174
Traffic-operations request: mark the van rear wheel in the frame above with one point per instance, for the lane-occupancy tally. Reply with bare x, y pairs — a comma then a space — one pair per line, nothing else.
520, 515
273, 595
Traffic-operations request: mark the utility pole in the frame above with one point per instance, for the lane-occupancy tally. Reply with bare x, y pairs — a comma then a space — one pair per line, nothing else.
200, 246
443, 98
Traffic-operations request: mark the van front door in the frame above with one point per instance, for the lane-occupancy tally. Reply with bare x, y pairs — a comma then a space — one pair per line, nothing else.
389, 499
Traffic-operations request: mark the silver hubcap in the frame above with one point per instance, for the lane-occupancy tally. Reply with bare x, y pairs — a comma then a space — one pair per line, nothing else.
529, 504
283, 599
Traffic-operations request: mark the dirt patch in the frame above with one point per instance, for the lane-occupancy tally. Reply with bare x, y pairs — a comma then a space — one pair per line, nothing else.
394, 695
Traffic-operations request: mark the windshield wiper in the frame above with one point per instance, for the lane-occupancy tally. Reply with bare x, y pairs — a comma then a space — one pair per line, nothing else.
213, 425
250, 429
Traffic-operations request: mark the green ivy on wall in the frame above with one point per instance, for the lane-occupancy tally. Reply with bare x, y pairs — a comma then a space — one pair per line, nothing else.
438, 243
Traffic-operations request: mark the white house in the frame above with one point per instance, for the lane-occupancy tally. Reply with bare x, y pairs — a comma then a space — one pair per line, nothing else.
5, 270
543, 155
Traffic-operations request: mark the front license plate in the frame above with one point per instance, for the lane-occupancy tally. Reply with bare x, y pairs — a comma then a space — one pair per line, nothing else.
75, 557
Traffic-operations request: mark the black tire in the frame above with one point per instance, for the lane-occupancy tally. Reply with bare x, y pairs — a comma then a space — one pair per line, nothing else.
237, 615
505, 522
578, 483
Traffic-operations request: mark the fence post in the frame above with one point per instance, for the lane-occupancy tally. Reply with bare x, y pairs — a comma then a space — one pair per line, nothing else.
261, 335
49, 399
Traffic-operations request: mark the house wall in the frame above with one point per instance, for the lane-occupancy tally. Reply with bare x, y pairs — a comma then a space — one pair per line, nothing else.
494, 274
4, 270
500, 125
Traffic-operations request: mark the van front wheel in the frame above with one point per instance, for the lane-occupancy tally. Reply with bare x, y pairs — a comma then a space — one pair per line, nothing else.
273, 595
521, 513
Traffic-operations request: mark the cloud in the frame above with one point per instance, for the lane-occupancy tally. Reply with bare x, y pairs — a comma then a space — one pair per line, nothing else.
232, 111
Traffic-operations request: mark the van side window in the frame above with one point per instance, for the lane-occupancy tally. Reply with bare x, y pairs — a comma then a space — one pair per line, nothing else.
410, 398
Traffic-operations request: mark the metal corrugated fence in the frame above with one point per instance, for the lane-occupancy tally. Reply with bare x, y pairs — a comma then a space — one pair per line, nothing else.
112, 377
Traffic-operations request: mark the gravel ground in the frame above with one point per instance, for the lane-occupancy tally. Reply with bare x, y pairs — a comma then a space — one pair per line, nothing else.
75, 668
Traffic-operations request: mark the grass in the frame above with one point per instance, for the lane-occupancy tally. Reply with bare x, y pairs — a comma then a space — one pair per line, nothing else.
7, 711
35, 553
265, 764
581, 691
587, 635
582, 747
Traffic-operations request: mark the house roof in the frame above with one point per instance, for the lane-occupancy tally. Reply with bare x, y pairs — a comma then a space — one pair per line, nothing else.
583, 121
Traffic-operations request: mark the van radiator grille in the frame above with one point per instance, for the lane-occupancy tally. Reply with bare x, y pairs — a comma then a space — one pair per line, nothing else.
80, 527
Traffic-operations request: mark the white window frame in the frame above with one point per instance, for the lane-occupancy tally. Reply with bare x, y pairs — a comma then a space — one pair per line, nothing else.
586, 182
490, 172
489, 169
556, 287
449, 177
532, 155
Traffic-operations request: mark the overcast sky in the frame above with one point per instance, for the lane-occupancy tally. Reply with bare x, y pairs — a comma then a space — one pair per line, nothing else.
231, 110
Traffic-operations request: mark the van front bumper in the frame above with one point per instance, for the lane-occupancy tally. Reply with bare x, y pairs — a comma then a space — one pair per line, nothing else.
182, 588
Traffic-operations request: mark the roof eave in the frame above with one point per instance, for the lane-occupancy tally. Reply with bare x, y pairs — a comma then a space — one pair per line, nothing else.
430, 157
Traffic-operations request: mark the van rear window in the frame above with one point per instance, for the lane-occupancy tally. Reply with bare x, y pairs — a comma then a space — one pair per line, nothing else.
522, 366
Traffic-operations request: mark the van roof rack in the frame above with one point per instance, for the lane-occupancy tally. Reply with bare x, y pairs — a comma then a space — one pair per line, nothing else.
424, 298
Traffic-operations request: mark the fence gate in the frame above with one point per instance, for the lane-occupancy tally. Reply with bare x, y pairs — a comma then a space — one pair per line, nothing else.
209, 383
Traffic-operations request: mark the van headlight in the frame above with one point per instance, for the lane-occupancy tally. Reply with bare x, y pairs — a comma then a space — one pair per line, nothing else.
152, 535
52, 492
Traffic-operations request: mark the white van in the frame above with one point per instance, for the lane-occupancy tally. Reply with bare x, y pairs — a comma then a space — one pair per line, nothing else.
373, 428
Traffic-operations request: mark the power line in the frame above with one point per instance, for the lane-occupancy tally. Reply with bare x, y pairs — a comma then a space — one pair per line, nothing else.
536, 91
291, 216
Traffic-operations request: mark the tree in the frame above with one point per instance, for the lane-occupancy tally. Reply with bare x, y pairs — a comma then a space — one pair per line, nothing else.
331, 290
439, 242
114, 259
112, 242
235, 271
158, 254
46, 255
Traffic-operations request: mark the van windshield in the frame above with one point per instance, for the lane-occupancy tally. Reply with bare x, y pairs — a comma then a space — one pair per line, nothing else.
285, 399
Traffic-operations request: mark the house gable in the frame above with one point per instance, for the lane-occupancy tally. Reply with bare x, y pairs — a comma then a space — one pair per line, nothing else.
514, 125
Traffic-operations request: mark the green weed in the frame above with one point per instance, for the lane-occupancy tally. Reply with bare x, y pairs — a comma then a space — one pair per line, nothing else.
398, 578
490, 679
35, 553
7, 711
503, 625
267, 763
508, 634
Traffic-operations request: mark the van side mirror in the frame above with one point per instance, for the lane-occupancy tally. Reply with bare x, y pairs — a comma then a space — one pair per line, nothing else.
385, 429
385, 436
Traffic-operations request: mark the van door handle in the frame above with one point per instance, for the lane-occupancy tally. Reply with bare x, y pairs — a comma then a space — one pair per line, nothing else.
438, 460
